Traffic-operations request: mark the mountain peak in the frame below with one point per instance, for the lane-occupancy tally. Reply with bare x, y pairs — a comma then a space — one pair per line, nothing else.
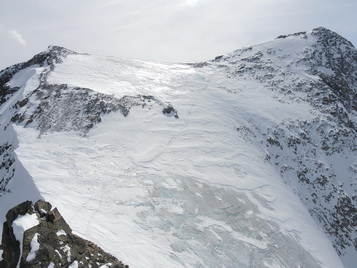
59, 49
323, 35
330, 37
321, 52
53, 54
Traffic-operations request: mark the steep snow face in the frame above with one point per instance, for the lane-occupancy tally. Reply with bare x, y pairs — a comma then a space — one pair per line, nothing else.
13, 81
197, 165
120, 77
8, 140
21, 188
315, 155
172, 193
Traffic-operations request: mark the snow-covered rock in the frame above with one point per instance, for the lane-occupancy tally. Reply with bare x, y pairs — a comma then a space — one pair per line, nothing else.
30, 240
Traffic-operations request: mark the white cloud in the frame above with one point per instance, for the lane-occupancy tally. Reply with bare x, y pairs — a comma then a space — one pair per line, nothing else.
161, 30
191, 2
17, 37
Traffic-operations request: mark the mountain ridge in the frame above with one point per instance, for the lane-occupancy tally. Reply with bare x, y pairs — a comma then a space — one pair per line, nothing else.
313, 71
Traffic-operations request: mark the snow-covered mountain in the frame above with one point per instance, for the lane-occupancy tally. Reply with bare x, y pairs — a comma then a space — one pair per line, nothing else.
247, 160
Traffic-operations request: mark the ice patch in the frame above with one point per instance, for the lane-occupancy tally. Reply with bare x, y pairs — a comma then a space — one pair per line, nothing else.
73, 265
67, 249
108, 265
34, 247
43, 212
61, 232
209, 223
59, 254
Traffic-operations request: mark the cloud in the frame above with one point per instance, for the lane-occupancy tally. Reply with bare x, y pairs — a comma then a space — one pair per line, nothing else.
161, 30
17, 37
191, 2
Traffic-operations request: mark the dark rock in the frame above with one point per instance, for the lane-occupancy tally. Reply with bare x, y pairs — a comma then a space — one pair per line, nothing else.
169, 110
42, 207
294, 34
57, 244
62, 108
218, 58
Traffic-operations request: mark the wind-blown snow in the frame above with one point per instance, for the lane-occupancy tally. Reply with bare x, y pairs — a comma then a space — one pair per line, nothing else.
119, 77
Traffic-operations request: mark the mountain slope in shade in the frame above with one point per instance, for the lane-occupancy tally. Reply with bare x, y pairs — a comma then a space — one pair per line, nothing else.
220, 163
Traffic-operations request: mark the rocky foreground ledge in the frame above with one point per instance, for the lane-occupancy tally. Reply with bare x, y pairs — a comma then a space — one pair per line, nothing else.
36, 236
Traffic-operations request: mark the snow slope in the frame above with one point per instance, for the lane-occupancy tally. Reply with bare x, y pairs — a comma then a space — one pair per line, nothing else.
156, 190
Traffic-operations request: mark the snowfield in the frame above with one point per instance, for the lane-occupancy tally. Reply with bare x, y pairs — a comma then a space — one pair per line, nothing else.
159, 191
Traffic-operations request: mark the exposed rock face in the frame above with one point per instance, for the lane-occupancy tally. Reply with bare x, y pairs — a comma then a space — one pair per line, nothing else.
8, 140
50, 243
308, 151
60, 108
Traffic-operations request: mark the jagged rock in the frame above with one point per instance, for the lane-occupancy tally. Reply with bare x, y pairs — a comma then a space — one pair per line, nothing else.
50, 243
61, 108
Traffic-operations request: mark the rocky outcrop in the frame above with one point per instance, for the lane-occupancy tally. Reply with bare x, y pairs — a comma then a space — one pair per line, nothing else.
47, 241
56, 108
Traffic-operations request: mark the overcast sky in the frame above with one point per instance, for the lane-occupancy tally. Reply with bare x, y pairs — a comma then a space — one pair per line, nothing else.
161, 30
